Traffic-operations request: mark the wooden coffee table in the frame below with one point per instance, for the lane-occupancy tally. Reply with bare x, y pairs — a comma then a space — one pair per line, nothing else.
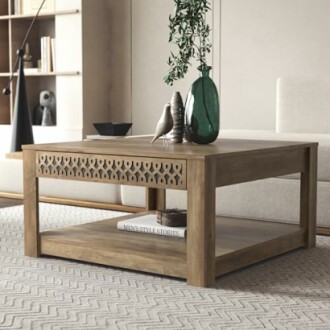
214, 245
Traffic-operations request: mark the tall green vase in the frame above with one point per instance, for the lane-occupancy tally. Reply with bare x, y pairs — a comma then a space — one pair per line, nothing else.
202, 109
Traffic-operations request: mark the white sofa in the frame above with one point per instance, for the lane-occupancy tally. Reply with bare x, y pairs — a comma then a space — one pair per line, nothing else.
271, 199
11, 185
303, 114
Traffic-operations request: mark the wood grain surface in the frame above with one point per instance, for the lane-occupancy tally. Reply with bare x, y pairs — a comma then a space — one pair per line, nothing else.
211, 248
237, 242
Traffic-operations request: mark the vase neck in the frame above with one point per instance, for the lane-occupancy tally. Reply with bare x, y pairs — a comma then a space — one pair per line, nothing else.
204, 71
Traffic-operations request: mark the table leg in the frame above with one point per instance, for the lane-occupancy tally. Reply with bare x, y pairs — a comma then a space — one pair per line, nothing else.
155, 199
31, 207
201, 223
308, 197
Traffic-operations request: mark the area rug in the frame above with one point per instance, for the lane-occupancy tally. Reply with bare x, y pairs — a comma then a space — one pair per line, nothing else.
291, 291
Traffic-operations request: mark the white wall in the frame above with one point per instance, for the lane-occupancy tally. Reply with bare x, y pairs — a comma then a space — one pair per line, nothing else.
150, 51
262, 40
119, 60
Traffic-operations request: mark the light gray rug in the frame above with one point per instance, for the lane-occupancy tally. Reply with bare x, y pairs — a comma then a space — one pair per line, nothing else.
288, 292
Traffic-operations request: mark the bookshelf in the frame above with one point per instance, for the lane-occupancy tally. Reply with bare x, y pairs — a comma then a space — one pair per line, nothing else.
79, 68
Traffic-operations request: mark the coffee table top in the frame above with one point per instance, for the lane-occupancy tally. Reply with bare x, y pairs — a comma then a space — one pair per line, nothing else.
141, 146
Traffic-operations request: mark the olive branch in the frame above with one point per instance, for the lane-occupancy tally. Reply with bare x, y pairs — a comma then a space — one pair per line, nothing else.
190, 33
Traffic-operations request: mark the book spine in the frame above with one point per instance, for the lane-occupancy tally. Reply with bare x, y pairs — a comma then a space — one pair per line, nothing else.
43, 54
53, 51
48, 54
151, 230
17, 7
45, 47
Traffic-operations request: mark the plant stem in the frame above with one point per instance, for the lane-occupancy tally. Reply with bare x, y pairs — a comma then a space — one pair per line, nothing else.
190, 32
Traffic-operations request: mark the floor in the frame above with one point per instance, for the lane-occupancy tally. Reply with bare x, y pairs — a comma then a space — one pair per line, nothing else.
286, 292
6, 202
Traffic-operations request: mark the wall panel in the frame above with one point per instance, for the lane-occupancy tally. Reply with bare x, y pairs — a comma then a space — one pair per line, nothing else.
262, 40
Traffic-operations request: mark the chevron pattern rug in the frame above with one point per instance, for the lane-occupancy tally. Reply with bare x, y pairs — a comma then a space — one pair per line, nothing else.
287, 292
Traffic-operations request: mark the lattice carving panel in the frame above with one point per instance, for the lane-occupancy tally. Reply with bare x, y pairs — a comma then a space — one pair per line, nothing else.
150, 172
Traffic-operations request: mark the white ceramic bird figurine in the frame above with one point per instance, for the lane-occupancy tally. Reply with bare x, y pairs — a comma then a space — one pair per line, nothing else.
165, 123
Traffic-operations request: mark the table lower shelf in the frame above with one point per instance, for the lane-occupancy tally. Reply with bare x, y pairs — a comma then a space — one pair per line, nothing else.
239, 242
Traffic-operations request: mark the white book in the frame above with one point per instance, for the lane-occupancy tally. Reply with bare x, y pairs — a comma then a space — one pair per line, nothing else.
53, 50
31, 70
43, 54
101, 137
17, 7
45, 47
148, 224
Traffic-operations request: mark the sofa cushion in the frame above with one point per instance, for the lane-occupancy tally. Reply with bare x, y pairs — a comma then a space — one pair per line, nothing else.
323, 148
11, 175
303, 105
247, 200
275, 199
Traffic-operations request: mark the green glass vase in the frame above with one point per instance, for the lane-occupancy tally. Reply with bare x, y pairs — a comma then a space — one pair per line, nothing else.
202, 109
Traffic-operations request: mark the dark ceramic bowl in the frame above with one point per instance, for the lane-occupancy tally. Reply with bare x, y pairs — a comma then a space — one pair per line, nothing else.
112, 129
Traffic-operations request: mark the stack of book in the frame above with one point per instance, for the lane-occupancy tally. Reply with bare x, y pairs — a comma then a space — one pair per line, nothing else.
47, 46
148, 224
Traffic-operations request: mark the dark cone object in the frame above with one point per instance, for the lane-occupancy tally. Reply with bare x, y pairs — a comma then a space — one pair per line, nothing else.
22, 128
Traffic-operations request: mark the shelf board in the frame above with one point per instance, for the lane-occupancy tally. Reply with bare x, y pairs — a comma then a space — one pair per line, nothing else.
41, 15
102, 243
57, 73
43, 74
15, 155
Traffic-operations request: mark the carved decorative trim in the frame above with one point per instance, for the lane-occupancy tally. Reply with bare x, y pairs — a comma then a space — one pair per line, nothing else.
150, 172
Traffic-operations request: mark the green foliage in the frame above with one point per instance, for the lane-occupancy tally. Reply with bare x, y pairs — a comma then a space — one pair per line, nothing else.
189, 31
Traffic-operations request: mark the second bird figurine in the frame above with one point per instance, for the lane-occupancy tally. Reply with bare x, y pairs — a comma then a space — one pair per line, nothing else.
165, 123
